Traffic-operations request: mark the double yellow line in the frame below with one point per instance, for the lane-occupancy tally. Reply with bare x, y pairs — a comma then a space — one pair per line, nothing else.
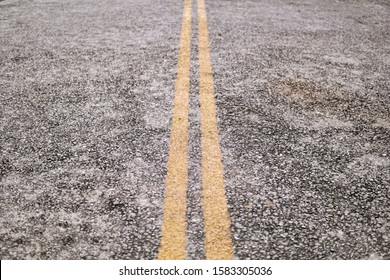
218, 244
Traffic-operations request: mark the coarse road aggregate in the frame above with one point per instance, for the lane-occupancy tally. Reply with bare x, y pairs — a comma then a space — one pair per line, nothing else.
302, 95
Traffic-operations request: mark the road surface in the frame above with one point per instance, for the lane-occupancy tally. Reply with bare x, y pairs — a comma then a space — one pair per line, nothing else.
178, 129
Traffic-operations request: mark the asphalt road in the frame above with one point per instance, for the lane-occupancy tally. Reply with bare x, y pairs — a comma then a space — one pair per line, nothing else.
302, 94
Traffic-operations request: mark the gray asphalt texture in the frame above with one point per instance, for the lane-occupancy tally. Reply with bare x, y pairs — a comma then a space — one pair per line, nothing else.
86, 95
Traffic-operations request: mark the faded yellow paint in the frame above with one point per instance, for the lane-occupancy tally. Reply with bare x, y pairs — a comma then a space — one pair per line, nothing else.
218, 243
173, 240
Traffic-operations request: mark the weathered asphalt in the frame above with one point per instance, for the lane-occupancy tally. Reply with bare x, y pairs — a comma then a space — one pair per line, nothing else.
86, 97
303, 99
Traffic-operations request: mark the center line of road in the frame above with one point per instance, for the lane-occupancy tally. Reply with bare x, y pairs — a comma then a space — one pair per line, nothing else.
173, 240
218, 243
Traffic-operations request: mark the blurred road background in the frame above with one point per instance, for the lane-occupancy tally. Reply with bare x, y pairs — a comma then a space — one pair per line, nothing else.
302, 94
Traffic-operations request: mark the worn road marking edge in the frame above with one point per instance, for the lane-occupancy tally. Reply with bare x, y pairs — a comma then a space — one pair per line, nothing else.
218, 243
173, 240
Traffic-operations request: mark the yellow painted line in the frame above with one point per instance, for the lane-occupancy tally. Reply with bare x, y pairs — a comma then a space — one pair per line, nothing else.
218, 243
173, 240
